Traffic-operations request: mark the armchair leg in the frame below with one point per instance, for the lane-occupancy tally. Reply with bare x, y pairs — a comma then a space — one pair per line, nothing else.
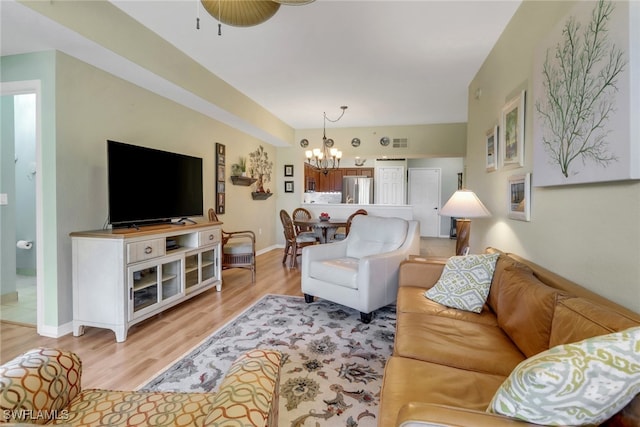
366, 317
308, 298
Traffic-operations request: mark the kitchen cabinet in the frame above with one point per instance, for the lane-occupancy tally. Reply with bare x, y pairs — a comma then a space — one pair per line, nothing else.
315, 180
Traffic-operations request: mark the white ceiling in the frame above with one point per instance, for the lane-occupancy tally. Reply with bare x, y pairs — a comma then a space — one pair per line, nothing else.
391, 62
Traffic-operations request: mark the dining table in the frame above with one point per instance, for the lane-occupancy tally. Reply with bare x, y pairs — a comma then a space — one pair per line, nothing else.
323, 229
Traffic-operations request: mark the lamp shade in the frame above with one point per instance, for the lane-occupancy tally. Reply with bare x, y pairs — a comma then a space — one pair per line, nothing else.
464, 204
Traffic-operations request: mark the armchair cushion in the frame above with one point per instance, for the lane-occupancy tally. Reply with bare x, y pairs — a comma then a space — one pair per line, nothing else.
41, 381
340, 271
370, 235
238, 247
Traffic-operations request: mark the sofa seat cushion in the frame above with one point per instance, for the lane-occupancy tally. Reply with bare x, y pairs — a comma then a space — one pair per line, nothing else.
456, 343
339, 271
411, 300
409, 380
577, 318
128, 408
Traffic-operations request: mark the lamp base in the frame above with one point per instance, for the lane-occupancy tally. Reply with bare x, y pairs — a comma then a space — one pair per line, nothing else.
463, 230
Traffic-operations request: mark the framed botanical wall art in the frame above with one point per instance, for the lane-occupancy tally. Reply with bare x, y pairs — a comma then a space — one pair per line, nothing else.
585, 112
512, 131
288, 170
519, 196
492, 149
288, 186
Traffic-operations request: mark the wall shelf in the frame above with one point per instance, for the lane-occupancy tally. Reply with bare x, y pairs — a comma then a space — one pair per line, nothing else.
242, 180
260, 196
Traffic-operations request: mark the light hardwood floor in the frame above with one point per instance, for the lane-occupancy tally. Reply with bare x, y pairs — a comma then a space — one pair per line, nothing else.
155, 343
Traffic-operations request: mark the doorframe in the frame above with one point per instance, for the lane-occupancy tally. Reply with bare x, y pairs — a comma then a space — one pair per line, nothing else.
439, 169
21, 88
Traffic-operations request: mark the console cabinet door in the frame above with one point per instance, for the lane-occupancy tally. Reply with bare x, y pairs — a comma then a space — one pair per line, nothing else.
154, 284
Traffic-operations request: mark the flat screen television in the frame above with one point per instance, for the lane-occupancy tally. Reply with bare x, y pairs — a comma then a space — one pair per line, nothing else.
149, 186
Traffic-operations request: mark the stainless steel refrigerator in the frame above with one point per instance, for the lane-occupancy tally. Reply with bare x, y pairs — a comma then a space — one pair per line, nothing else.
357, 190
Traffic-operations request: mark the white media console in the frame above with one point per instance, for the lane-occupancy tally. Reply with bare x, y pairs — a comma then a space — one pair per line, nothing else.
124, 276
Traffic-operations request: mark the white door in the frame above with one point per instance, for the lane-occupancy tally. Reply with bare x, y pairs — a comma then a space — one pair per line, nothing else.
424, 196
390, 186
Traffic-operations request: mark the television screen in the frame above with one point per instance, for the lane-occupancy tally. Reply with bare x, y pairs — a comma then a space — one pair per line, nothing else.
148, 185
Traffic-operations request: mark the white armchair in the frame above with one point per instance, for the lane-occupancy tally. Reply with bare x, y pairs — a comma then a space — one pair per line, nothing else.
361, 271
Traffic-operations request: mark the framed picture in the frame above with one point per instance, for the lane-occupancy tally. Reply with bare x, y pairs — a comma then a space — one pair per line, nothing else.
288, 186
492, 149
512, 132
519, 196
220, 178
288, 170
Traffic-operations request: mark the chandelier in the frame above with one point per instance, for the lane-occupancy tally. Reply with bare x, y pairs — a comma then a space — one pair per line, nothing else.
327, 157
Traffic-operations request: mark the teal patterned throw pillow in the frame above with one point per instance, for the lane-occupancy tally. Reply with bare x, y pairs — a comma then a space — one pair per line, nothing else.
465, 282
583, 383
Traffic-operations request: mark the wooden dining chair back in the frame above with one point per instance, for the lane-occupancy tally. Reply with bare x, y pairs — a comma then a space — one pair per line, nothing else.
238, 248
301, 213
293, 243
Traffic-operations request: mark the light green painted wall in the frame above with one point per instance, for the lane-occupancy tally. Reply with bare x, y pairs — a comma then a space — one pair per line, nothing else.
587, 233
41, 66
7, 186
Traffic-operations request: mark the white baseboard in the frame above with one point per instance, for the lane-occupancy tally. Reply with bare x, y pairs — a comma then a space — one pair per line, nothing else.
56, 331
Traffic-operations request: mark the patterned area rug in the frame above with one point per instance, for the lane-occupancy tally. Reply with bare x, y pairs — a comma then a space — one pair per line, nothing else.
332, 366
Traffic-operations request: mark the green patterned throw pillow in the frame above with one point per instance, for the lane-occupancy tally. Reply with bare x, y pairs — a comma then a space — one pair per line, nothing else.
574, 384
465, 282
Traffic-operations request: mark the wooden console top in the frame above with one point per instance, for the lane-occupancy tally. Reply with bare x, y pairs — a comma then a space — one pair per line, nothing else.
121, 233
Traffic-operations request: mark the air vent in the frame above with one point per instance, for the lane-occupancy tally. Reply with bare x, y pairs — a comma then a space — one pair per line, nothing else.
400, 142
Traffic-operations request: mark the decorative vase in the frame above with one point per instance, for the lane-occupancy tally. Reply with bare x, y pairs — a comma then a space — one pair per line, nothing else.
260, 185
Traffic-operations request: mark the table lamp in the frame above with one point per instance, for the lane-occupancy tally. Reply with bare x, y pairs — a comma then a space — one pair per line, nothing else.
464, 204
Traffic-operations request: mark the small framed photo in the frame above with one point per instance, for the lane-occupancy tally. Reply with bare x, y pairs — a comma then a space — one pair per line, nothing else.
492, 151
288, 170
519, 196
512, 132
288, 186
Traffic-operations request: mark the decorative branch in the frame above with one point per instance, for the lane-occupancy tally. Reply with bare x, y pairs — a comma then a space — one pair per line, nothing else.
580, 82
260, 167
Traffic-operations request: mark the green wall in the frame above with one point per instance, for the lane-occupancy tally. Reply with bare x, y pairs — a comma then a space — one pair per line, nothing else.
587, 233
41, 66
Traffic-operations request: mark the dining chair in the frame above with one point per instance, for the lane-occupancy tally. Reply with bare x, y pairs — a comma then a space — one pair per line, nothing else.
238, 248
293, 243
302, 213
342, 236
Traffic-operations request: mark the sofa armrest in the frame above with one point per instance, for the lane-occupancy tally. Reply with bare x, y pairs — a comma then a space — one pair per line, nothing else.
422, 274
248, 395
417, 414
42, 381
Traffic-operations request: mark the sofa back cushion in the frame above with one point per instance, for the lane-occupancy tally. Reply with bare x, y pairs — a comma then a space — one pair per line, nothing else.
525, 309
371, 235
502, 263
577, 318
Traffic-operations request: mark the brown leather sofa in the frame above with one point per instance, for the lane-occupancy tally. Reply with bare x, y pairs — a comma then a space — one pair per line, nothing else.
448, 364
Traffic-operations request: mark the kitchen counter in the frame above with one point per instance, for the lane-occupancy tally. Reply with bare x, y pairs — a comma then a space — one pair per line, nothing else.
343, 210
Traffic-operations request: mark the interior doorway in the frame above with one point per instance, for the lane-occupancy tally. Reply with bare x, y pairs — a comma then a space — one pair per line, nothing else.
20, 212
390, 185
424, 196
